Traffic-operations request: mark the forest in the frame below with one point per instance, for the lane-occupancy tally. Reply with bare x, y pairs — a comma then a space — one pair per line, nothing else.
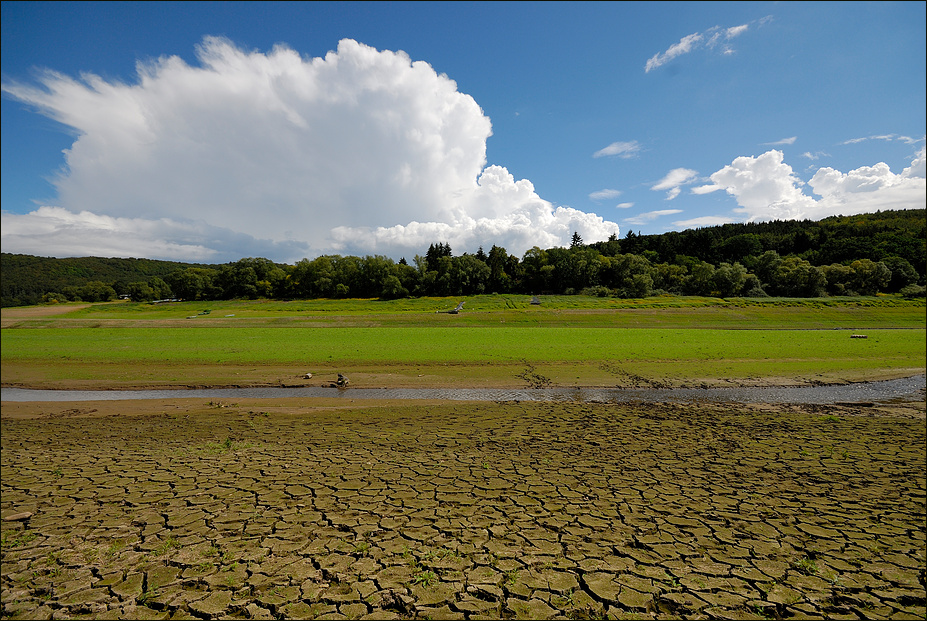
883, 252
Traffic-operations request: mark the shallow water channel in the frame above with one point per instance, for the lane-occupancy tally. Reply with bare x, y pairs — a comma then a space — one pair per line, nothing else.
910, 388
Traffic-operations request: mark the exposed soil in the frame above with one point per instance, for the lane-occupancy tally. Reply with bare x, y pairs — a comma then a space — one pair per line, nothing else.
289, 509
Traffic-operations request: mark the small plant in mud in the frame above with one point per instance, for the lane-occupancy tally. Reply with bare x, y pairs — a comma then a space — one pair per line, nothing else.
511, 577
113, 548
166, 546
144, 597
565, 600
830, 418
671, 581
15, 542
442, 554
58, 472
589, 612
806, 566
361, 547
425, 578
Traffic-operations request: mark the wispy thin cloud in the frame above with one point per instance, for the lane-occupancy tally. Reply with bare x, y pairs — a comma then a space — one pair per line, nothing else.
703, 221
624, 205
784, 141
605, 194
885, 137
816, 155
714, 38
649, 216
624, 150
685, 45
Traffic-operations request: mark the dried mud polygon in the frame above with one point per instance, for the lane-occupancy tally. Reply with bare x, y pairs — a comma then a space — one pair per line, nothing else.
527, 510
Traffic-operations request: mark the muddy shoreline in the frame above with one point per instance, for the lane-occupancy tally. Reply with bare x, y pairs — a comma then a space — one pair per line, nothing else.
904, 389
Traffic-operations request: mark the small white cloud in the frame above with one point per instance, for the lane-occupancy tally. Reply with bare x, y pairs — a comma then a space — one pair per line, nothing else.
606, 194
673, 180
736, 31
784, 141
676, 178
649, 216
706, 189
624, 150
624, 205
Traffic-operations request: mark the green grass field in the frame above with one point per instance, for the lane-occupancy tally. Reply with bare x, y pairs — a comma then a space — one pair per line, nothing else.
572, 340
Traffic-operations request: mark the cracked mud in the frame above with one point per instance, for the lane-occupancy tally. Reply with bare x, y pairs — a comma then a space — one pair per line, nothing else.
463, 510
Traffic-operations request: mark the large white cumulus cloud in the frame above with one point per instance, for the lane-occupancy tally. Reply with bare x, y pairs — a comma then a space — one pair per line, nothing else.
360, 151
766, 188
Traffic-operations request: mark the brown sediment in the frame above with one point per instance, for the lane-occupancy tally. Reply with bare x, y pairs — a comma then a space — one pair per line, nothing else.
299, 509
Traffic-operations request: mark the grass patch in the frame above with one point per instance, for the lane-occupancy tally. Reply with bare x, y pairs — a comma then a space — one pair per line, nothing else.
666, 338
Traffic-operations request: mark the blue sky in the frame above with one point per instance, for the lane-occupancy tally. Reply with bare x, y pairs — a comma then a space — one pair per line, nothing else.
211, 131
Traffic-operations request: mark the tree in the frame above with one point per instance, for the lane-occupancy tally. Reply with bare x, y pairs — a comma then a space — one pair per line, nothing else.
499, 280
538, 272
577, 241
435, 252
795, 277
839, 279
393, 289
140, 291
903, 273
870, 277
669, 277
193, 283
729, 279
701, 279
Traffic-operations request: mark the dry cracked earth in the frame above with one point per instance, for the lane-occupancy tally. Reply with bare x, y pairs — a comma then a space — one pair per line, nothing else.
463, 511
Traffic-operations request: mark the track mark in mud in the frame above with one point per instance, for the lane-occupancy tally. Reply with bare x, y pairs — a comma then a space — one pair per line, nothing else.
533, 378
635, 381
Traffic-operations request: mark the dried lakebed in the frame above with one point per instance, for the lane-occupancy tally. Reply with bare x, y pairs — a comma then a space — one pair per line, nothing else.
286, 509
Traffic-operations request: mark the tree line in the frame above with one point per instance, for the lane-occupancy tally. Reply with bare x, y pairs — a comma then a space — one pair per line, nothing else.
853, 255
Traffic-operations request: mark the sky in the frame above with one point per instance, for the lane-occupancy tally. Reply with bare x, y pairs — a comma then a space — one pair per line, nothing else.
207, 132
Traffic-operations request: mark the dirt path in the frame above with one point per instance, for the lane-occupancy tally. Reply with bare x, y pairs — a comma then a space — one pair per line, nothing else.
462, 510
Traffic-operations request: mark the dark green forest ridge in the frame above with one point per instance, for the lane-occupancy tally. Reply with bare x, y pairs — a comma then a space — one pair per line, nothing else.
884, 252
